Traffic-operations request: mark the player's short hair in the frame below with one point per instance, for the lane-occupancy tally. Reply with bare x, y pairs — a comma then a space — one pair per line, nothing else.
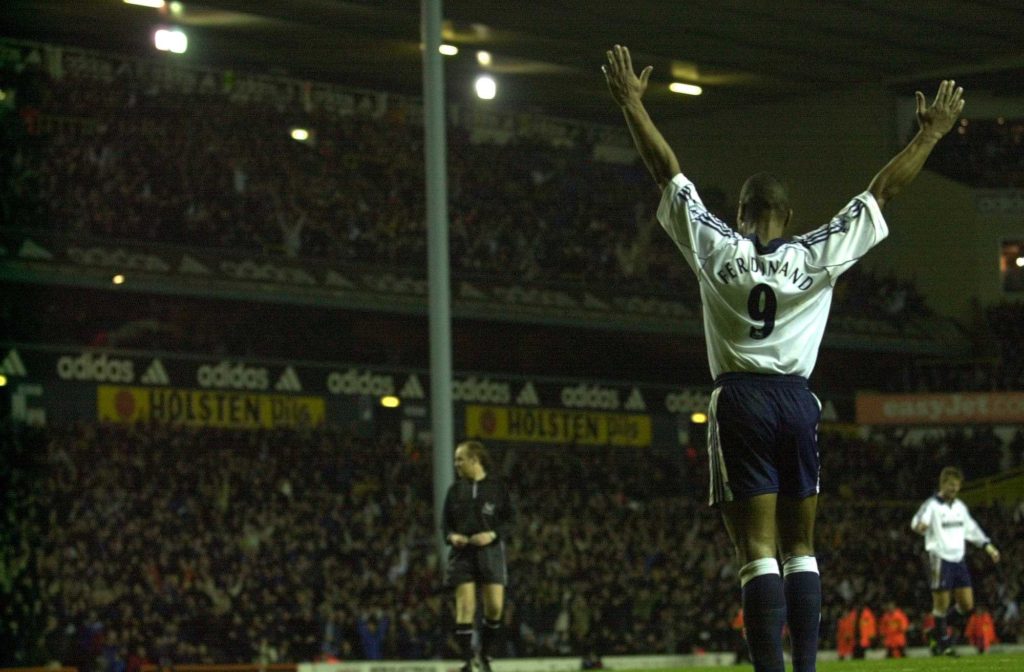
951, 472
477, 451
761, 195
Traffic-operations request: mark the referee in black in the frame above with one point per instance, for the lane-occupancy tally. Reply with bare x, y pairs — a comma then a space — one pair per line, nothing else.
478, 517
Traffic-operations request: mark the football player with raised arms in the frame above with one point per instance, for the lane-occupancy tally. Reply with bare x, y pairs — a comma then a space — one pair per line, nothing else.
766, 300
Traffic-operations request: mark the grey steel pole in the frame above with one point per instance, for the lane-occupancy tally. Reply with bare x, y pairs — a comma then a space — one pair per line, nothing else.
437, 262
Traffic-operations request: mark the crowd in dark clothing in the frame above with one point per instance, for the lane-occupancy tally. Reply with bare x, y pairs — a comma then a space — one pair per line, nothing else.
985, 153
125, 545
122, 150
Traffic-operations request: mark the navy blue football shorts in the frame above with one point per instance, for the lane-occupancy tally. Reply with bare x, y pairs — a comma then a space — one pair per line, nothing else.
763, 437
945, 575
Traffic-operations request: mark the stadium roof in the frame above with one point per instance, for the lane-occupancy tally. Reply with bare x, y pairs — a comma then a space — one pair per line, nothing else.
547, 53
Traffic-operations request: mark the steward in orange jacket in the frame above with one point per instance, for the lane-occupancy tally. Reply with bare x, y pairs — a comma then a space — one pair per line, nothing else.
867, 630
846, 628
893, 629
981, 630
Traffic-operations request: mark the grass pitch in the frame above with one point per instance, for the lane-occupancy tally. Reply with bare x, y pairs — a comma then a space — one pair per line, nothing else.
988, 663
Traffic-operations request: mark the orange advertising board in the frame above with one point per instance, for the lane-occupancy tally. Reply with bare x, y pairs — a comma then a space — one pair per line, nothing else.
960, 408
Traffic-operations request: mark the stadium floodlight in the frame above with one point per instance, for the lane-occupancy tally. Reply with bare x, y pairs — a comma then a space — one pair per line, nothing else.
687, 89
155, 4
486, 87
448, 49
698, 418
170, 39
390, 401
3, 380
483, 57
1019, 262
300, 134
177, 9
118, 279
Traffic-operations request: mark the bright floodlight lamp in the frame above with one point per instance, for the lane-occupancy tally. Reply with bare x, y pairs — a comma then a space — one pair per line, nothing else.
448, 49
486, 87
155, 4
173, 40
686, 89
300, 134
483, 57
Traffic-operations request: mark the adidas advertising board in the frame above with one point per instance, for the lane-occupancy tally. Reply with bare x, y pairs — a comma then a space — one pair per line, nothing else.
12, 366
226, 375
96, 368
155, 374
70, 380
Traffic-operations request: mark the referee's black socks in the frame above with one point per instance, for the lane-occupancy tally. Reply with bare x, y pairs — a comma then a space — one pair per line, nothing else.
464, 638
492, 638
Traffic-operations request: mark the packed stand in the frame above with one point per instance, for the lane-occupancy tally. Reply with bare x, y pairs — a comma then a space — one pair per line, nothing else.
134, 151
985, 153
133, 158
130, 545
996, 362
1006, 321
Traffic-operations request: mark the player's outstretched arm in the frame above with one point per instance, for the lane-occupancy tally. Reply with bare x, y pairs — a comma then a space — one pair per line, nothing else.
627, 89
933, 121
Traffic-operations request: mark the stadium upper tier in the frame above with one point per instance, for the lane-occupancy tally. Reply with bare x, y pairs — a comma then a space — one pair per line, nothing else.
120, 150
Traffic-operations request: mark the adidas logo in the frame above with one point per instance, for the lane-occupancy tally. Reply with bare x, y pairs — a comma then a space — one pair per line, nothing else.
289, 381
12, 365
155, 374
635, 402
412, 388
527, 396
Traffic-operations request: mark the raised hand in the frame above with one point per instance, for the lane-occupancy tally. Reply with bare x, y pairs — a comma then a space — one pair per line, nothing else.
623, 83
938, 118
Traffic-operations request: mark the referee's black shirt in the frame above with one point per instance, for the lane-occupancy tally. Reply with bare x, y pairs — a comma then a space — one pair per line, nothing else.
478, 506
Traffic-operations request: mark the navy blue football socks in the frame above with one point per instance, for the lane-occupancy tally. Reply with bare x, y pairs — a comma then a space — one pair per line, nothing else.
764, 613
803, 609
940, 634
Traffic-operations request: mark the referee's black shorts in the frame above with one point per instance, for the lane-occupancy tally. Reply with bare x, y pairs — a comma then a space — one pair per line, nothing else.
477, 564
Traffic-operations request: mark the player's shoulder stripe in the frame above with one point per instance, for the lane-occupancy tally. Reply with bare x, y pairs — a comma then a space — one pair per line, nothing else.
701, 215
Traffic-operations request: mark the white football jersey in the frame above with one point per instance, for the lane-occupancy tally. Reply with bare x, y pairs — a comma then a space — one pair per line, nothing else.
765, 307
949, 526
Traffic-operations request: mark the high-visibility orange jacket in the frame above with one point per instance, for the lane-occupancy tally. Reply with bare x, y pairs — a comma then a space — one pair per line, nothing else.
868, 627
981, 630
845, 633
893, 628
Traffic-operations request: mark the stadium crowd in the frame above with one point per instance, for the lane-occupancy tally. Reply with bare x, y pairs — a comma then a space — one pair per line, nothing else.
125, 545
984, 153
125, 150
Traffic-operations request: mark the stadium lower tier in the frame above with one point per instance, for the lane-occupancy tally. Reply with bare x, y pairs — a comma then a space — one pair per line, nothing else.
130, 545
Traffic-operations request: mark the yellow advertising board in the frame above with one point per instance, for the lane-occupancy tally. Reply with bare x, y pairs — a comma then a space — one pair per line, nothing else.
207, 408
556, 425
